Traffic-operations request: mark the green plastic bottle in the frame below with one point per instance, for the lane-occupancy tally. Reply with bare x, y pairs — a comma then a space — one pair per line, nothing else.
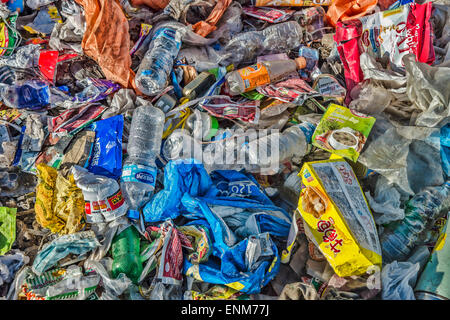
126, 254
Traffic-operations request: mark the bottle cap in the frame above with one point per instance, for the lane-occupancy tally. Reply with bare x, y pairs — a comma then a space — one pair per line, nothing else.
300, 62
133, 214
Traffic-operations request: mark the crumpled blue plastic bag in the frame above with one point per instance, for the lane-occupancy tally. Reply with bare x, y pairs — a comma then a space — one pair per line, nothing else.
180, 177
233, 272
106, 156
233, 207
398, 280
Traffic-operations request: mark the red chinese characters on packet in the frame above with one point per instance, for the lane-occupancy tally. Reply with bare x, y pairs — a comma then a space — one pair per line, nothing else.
329, 234
396, 33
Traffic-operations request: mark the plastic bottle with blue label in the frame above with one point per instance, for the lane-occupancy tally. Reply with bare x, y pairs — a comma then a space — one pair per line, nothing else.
154, 70
139, 171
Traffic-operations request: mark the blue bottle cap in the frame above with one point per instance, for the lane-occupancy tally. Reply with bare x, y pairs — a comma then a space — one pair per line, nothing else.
133, 214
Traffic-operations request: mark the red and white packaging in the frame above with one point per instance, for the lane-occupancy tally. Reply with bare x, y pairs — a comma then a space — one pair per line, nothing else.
395, 32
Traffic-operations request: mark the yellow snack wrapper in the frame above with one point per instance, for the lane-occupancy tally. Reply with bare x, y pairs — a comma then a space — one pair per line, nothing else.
59, 202
337, 217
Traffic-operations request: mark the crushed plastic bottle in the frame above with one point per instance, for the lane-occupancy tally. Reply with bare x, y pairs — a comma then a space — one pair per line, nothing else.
154, 70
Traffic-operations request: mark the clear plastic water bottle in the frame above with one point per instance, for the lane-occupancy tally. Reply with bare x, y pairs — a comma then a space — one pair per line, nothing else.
144, 143
293, 141
245, 47
420, 212
151, 77
248, 78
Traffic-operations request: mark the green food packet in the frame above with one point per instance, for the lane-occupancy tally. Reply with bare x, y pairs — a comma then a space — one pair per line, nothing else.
7, 229
8, 35
343, 131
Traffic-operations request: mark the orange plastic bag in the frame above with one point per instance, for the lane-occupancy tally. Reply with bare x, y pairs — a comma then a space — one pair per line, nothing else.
342, 10
107, 40
203, 28
154, 4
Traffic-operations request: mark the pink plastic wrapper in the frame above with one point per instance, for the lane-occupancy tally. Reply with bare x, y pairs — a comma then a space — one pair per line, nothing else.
293, 90
396, 32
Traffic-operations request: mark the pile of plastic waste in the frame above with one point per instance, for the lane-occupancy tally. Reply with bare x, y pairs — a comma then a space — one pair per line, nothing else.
219, 149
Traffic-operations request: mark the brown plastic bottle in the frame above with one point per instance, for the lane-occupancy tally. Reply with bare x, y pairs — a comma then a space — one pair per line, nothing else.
248, 78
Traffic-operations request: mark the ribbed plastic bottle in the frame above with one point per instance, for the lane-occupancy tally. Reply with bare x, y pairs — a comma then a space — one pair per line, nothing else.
248, 78
144, 144
125, 249
420, 212
151, 77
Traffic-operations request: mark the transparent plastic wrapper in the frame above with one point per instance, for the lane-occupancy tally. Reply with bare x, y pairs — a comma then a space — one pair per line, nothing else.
9, 264
69, 34
372, 100
398, 280
113, 287
386, 202
429, 89
399, 153
77, 243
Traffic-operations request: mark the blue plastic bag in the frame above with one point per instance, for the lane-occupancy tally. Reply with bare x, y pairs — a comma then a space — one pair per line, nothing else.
106, 156
233, 207
180, 177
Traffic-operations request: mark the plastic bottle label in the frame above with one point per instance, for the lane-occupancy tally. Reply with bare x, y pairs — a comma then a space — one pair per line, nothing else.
169, 34
308, 130
139, 173
254, 76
